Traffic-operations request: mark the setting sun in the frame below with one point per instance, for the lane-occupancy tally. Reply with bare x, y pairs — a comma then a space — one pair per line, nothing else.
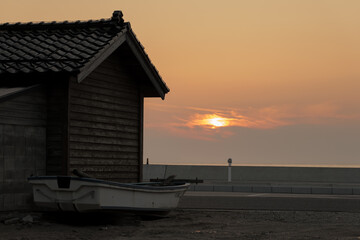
217, 122
212, 120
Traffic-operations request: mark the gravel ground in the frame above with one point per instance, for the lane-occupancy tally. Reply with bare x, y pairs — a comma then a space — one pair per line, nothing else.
182, 224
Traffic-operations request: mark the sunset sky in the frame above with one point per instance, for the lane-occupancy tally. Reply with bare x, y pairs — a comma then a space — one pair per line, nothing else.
264, 82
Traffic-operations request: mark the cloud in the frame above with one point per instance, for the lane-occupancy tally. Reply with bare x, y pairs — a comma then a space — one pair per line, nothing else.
212, 124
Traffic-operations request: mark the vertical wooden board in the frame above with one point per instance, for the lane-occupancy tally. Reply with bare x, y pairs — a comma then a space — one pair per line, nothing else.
9, 131
29, 151
40, 161
20, 147
2, 167
35, 149
56, 128
66, 142
1, 201
141, 138
9, 148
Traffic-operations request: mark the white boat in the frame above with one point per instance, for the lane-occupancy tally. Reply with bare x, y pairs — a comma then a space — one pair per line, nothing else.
68, 193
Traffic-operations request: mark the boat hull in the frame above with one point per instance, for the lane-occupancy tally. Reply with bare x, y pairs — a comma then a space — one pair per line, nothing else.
87, 194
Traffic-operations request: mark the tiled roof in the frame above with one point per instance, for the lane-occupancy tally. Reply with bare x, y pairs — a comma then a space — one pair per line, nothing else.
55, 46
70, 47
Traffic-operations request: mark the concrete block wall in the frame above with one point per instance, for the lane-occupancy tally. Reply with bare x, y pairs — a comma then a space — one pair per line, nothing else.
254, 174
208, 173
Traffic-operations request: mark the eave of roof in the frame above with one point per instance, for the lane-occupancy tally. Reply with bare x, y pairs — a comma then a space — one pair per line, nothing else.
9, 92
145, 62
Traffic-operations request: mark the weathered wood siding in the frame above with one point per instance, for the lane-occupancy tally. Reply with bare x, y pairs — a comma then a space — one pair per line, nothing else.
22, 146
26, 109
105, 124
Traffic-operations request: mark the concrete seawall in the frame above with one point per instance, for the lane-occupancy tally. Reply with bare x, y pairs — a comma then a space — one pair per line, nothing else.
252, 174
295, 180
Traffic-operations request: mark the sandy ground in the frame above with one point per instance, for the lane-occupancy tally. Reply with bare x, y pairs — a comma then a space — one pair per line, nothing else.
184, 224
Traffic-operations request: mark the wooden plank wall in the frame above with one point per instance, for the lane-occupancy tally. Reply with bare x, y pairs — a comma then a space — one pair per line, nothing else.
22, 146
26, 109
105, 124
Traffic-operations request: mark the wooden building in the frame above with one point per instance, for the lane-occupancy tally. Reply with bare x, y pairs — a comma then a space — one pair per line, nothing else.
71, 96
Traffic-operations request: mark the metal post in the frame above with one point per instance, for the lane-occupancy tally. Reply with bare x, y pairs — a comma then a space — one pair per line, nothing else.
229, 169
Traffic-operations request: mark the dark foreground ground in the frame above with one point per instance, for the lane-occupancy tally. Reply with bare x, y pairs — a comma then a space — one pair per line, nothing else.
182, 224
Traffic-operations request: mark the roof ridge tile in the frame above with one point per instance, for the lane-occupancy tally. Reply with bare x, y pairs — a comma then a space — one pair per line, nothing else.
65, 23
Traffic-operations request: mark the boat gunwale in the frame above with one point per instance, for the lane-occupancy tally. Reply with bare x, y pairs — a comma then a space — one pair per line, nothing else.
129, 186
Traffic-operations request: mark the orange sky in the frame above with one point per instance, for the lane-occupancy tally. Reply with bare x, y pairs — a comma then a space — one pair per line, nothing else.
286, 71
